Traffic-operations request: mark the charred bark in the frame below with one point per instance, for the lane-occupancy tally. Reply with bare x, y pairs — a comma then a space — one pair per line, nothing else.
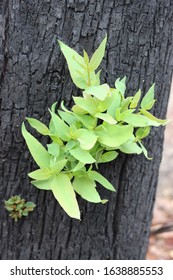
33, 75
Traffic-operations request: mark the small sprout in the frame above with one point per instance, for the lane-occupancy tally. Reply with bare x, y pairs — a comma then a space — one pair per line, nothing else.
18, 207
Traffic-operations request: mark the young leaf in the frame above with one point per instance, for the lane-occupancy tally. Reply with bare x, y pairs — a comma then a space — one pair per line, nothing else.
148, 100
86, 104
39, 126
144, 150
135, 120
121, 85
114, 135
86, 138
57, 166
106, 117
82, 155
42, 184
61, 128
53, 149
69, 118
94, 175
38, 152
152, 120
76, 65
108, 156
85, 187
65, 195
100, 92
130, 148
40, 174
87, 120
135, 100
98, 55
142, 132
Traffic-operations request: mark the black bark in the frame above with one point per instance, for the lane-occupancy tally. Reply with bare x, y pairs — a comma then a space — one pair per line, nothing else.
33, 75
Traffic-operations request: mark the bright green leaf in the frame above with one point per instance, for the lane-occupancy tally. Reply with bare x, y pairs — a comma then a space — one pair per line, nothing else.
106, 117
38, 152
121, 85
61, 128
43, 184
144, 150
94, 175
98, 55
108, 156
89, 105
130, 147
82, 155
86, 138
65, 195
40, 174
85, 187
39, 126
100, 92
148, 100
142, 132
76, 65
152, 120
114, 135
135, 99
53, 149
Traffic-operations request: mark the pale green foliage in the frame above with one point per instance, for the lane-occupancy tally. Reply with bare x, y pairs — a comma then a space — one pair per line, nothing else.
102, 123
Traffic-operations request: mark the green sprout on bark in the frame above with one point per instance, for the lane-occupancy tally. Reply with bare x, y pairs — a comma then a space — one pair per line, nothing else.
102, 123
18, 207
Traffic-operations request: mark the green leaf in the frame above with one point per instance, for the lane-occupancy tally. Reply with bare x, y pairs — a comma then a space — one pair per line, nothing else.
152, 120
135, 120
121, 85
38, 152
106, 117
65, 195
94, 175
40, 174
76, 65
61, 128
58, 165
86, 138
130, 147
135, 100
39, 126
42, 184
99, 92
142, 132
53, 107
85, 187
89, 105
144, 150
86, 57
98, 55
115, 102
148, 100
53, 149
82, 155
108, 156
69, 118
114, 135
88, 121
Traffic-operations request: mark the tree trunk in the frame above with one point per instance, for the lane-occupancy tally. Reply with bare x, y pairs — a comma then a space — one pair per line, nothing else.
34, 74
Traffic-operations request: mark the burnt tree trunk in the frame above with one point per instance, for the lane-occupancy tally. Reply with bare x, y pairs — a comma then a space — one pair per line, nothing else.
33, 75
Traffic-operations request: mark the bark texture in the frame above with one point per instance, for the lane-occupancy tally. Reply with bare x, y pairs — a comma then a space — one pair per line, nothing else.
33, 75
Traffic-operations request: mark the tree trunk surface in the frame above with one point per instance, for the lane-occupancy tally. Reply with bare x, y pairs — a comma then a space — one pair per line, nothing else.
34, 74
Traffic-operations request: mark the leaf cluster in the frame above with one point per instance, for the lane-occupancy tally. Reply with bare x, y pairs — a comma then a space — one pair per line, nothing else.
18, 207
101, 123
